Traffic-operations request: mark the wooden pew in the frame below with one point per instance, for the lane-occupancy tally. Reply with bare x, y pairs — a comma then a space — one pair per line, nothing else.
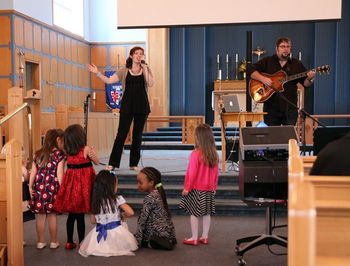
11, 219
322, 238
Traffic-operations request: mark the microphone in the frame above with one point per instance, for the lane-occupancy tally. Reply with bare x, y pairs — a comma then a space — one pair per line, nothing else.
143, 62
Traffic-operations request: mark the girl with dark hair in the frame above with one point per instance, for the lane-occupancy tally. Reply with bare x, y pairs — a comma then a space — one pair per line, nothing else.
44, 181
200, 184
75, 192
154, 226
136, 77
110, 236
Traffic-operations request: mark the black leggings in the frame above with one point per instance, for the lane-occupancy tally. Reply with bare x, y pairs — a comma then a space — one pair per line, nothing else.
80, 226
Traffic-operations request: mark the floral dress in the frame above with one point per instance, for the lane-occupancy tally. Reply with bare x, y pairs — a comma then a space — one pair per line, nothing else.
46, 184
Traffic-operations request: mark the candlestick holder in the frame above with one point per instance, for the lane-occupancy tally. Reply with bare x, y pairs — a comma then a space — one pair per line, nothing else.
218, 71
227, 70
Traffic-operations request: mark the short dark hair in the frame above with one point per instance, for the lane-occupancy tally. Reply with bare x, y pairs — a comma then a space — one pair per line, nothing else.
282, 39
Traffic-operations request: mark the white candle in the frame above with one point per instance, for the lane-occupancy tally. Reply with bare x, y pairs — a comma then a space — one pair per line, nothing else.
236, 58
218, 59
94, 95
226, 58
219, 77
299, 57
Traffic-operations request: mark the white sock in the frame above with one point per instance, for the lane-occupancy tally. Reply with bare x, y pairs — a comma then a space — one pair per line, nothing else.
206, 225
194, 227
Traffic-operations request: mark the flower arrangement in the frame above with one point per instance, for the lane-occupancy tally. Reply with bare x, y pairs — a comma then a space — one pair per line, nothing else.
243, 68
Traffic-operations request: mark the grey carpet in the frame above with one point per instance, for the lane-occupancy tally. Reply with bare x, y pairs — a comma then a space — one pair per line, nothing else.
220, 251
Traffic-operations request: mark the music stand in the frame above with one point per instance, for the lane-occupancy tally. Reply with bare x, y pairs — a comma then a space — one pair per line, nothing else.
263, 178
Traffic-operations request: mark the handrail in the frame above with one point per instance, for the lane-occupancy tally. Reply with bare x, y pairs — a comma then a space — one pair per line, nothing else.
12, 113
9, 115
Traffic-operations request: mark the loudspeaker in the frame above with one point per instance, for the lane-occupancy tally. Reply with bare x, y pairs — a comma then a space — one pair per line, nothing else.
263, 179
232, 150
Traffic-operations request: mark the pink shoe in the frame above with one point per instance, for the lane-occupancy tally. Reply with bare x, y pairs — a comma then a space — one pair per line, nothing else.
190, 242
204, 241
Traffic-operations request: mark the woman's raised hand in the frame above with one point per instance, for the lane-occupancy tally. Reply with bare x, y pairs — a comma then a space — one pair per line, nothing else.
92, 68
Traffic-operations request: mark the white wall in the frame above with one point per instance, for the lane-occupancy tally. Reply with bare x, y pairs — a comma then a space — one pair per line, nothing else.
6, 4
100, 19
40, 10
103, 24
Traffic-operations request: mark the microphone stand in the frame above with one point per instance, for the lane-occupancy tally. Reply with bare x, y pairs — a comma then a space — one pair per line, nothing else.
86, 114
303, 115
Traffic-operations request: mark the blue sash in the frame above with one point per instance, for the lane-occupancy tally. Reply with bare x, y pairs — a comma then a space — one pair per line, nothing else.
102, 229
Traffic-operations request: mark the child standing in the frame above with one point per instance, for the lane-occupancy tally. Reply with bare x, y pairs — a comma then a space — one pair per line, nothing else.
45, 178
200, 183
154, 226
75, 192
110, 237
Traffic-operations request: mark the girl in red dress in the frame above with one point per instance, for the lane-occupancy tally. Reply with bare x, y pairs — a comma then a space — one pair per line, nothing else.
75, 192
45, 177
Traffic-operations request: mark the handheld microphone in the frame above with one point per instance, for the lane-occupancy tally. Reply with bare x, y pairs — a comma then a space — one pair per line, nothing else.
143, 62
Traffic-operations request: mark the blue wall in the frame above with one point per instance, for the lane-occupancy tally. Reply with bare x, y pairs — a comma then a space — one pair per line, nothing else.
193, 53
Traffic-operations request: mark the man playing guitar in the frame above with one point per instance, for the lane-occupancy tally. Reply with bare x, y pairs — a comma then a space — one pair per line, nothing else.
279, 111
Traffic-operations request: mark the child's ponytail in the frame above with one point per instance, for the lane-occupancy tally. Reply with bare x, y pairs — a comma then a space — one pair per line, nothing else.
154, 175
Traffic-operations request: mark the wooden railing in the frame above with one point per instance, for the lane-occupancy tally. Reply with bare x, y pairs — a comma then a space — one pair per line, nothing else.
188, 124
318, 215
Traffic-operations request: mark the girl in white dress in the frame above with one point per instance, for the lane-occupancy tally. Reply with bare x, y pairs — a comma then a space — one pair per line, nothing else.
110, 236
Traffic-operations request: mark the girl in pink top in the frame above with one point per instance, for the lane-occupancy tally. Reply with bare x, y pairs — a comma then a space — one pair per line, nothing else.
200, 184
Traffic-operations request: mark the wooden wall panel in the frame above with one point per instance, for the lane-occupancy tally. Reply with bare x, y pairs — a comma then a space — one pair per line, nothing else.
19, 33
5, 61
60, 70
53, 43
5, 84
74, 96
99, 55
28, 34
68, 74
53, 71
45, 96
60, 46
45, 68
74, 51
74, 77
83, 54
5, 26
80, 77
86, 78
45, 36
67, 48
48, 121
68, 100
61, 96
37, 38
117, 56
97, 83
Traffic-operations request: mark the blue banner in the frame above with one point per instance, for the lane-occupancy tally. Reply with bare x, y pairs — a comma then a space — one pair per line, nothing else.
114, 93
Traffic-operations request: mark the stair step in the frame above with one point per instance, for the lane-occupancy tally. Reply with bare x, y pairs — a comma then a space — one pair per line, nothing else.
222, 207
174, 179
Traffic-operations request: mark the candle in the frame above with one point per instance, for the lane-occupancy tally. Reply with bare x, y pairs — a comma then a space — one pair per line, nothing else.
299, 57
236, 58
226, 58
94, 95
218, 59
219, 76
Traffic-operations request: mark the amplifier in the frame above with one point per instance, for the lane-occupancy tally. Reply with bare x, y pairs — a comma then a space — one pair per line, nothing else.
259, 143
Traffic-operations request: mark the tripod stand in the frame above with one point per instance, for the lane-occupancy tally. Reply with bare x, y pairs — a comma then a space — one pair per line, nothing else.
303, 114
265, 239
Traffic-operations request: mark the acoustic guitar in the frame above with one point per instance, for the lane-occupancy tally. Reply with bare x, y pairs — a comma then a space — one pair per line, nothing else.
260, 92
